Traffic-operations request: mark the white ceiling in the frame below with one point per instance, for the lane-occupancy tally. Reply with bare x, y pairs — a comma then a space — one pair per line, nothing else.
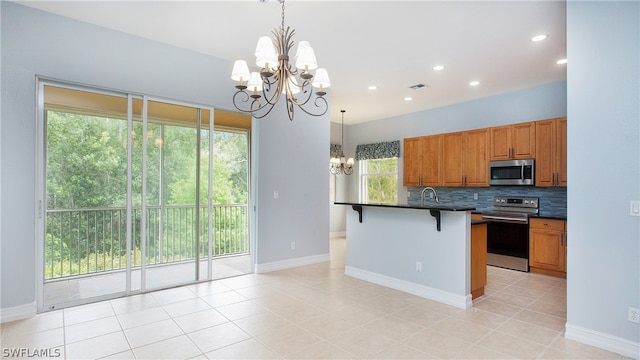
392, 44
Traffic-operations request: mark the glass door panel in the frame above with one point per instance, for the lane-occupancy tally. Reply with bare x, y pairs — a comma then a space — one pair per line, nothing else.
85, 156
230, 248
172, 207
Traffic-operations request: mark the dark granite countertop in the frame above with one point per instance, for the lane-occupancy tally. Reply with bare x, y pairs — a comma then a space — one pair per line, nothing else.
407, 206
542, 215
550, 216
477, 222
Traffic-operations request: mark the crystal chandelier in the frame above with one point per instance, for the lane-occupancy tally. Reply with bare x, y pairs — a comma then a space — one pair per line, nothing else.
259, 92
339, 164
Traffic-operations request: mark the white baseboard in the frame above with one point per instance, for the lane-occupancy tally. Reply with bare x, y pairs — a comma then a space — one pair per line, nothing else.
291, 263
604, 341
18, 312
463, 302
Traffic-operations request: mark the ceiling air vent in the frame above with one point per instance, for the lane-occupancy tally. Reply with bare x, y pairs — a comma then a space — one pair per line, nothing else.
417, 86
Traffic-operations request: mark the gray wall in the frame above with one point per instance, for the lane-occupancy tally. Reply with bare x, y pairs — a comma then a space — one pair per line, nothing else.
38, 43
603, 274
292, 159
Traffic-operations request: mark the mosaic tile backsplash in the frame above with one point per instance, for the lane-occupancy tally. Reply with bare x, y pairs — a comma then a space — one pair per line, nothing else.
552, 200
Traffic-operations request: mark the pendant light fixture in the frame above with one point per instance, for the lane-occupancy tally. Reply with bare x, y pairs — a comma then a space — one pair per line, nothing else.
339, 164
280, 75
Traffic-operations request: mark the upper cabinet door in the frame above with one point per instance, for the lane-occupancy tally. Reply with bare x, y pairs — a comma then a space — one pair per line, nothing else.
412, 155
561, 152
523, 140
432, 160
452, 165
501, 143
513, 141
551, 152
476, 165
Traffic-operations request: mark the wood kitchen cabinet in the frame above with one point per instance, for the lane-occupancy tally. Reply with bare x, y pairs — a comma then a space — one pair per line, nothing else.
548, 247
510, 142
478, 259
423, 161
551, 152
466, 158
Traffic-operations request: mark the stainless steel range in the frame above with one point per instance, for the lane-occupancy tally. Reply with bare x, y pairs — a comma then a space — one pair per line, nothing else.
508, 231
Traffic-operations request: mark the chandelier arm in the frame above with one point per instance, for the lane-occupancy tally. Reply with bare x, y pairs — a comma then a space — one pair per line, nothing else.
304, 91
274, 97
290, 109
245, 98
324, 106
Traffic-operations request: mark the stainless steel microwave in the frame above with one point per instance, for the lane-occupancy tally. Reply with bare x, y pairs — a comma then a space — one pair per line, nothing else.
512, 172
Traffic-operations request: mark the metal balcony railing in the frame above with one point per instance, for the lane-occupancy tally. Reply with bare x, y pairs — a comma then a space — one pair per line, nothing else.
89, 241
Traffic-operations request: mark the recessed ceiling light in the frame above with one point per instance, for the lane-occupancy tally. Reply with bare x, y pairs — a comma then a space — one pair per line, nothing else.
474, 83
408, 98
438, 67
539, 38
561, 61
372, 87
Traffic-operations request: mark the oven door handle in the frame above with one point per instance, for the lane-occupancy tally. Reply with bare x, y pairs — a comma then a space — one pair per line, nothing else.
505, 219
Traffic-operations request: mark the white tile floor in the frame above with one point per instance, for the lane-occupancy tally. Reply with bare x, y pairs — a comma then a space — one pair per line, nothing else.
311, 312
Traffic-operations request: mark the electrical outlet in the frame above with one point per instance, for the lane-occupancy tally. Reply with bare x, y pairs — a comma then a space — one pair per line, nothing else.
293, 245
634, 208
634, 315
418, 266
475, 196
276, 194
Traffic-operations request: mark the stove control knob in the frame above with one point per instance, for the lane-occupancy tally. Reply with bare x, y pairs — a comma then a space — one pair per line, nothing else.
526, 202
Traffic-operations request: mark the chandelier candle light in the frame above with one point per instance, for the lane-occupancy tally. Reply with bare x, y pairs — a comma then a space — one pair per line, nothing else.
259, 92
339, 164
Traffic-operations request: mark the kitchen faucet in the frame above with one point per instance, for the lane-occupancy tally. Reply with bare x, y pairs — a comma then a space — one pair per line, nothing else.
435, 195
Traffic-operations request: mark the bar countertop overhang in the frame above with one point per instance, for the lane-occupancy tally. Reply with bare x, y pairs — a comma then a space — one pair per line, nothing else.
408, 206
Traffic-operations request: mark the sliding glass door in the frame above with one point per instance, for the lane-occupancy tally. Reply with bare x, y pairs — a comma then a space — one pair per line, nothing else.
128, 202
177, 192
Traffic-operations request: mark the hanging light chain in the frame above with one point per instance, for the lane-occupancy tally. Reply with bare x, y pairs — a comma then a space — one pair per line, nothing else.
282, 2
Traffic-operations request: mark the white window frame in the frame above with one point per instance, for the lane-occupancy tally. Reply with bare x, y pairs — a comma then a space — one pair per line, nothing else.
363, 174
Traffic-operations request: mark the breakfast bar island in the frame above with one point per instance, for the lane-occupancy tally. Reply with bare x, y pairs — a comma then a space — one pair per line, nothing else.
422, 250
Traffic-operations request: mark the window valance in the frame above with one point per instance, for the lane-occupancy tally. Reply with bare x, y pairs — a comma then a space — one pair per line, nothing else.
335, 150
380, 150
